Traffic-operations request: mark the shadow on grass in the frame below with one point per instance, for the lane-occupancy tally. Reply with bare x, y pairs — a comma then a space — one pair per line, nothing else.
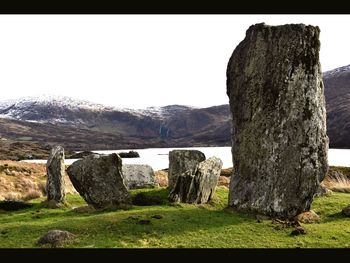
130, 226
152, 221
151, 197
14, 205
335, 216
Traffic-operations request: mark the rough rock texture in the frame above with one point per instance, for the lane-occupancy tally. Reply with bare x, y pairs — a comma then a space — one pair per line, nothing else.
130, 154
162, 177
55, 237
346, 211
198, 185
55, 169
308, 217
181, 161
279, 141
98, 179
138, 176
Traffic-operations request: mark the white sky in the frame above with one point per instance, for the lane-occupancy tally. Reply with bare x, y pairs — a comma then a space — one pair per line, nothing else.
138, 61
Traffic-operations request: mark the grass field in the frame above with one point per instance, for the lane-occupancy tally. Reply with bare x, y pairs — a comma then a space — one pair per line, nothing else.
178, 226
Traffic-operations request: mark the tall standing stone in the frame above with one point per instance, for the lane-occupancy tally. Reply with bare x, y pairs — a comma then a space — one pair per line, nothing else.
99, 180
279, 141
55, 168
181, 161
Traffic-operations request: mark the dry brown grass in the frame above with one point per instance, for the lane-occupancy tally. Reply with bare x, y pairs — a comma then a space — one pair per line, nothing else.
337, 182
162, 177
226, 172
224, 181
25, 181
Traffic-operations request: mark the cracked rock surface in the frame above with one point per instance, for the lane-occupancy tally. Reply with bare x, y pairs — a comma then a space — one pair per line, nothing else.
279, 141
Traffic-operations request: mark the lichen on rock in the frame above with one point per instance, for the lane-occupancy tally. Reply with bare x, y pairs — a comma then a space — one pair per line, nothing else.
279, 141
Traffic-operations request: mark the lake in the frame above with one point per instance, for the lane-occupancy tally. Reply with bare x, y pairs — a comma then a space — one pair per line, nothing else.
158, 157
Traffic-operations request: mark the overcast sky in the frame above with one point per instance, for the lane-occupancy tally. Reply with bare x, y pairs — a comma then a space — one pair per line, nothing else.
137, 61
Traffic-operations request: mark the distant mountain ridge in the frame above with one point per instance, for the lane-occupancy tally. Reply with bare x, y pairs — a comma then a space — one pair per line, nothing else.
337, 92
336, 72
63, 109
161, 126
95, 126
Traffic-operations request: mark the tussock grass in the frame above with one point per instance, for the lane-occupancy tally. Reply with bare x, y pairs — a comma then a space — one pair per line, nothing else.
338, 179
338, 183
25, 181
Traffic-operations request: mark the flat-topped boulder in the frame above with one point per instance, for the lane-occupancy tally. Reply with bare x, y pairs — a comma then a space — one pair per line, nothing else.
138, 176
279, 140
98, 179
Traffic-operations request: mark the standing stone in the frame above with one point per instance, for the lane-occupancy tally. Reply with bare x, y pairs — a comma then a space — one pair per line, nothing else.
181, 161
55, 169
99, 180
138, 176
279, 141
198, 185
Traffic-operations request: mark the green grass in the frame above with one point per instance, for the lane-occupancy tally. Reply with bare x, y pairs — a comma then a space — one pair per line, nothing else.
182, 225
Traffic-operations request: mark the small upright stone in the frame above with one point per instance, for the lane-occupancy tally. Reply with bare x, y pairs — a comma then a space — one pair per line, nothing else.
181, 161
55, 168
279, 139
346, 211
197, 186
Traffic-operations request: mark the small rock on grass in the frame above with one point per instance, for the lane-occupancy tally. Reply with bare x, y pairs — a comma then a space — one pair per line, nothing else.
308, 217
55, 237
84, 209
144, 222
346, 211
298, 231
157, 216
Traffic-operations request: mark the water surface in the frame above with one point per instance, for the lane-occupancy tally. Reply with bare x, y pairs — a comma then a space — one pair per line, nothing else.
158, 158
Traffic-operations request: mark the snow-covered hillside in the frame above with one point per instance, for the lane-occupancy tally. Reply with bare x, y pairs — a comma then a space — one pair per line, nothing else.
336, 71
62, 109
